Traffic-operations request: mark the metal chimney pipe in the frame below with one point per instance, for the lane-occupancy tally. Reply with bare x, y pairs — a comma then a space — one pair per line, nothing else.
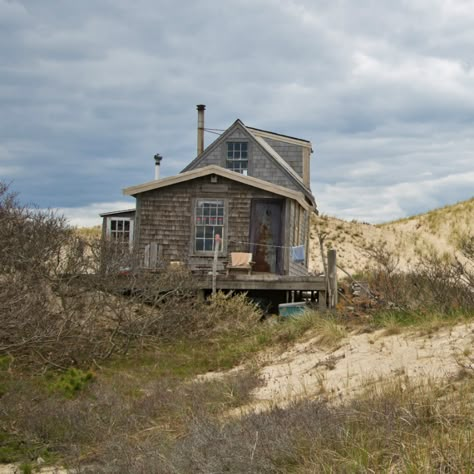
200, 129
158, 159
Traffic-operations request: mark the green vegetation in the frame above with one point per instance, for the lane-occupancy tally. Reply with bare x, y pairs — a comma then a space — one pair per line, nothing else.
155, 411
70, 382
394, 321
152, 390
14, 449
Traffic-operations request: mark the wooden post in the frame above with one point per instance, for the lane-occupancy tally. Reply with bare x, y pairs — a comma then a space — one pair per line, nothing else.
217, 243
201, 296
321, 237
322, 300
332, 274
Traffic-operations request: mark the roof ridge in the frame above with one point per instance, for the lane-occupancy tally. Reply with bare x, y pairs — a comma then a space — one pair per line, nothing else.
278, 134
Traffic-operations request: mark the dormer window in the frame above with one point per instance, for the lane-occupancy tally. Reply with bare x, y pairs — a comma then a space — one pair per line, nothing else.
237, 157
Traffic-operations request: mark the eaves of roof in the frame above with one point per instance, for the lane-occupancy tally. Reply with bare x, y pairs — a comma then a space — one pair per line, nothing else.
124, 211
219, 171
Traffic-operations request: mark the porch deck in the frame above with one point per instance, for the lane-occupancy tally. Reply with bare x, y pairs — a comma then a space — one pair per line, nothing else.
284, 288
263, 281
274, 289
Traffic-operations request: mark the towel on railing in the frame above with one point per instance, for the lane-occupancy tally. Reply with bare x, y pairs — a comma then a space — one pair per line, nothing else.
298, 253
240, 259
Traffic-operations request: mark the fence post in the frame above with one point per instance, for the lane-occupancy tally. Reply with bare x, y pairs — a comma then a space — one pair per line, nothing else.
332, 274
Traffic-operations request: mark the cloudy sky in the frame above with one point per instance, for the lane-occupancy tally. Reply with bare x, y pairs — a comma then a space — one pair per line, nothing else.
90, 90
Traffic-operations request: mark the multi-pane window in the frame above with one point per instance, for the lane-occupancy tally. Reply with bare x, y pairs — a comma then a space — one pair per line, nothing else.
120, 230
209, 221
237, 157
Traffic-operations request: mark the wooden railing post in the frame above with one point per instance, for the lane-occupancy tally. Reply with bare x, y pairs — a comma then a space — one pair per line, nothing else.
332, 277
217, 244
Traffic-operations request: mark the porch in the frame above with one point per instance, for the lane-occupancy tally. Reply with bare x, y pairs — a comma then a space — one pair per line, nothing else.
275, 288
280, 288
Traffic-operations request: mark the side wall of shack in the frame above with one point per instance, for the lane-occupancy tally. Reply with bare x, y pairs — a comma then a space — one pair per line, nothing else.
298, 236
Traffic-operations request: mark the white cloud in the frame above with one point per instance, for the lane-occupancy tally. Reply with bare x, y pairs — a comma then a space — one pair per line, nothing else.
88, 216
90, 91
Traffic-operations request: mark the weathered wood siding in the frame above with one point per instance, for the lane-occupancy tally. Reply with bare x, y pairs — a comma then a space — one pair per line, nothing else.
291, 153
298, 235
261, 165
297, 156
165, 216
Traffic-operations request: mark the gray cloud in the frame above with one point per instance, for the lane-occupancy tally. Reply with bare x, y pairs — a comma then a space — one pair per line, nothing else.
90, 91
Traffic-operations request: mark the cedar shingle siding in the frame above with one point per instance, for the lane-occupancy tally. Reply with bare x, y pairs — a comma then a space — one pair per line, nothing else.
165, 216
261, 165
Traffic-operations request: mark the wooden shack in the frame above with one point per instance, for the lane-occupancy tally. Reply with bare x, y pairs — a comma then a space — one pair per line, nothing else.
250, 187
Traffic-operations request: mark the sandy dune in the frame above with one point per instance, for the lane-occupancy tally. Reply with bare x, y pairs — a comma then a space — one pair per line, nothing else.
407, 239
306, 371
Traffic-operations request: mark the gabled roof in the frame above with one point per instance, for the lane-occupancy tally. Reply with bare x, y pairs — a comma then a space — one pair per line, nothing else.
257, 136
219, 171
279, 136
275, 155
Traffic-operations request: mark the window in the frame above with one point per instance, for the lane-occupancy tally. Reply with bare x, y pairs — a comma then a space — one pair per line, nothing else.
120, 229
237, 157
209, 221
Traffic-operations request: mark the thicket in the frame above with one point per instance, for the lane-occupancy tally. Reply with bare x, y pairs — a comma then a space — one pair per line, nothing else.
437, 283
65, 300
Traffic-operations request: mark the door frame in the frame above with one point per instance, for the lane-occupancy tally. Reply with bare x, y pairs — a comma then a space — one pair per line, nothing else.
280, 254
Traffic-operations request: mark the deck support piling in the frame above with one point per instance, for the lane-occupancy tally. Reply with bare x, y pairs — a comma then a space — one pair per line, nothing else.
322, 305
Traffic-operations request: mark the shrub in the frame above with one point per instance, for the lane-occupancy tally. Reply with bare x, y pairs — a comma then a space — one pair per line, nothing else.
59, 307
438, 282
71, 382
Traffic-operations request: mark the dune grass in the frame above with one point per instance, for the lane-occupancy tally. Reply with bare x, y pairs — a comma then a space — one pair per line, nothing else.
394, 427
150, 412
153, 387
424, 322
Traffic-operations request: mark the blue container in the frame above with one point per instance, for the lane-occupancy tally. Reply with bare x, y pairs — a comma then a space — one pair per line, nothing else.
291, 309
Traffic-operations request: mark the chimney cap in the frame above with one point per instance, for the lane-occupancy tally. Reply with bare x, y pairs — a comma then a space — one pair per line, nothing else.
158, 158
201, 107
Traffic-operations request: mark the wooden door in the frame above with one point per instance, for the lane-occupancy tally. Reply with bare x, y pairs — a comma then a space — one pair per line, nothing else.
266, 235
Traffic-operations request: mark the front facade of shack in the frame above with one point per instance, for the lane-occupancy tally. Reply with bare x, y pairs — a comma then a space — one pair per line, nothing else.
251, 189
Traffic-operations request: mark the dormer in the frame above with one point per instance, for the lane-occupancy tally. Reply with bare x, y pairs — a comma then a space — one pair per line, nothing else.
295, 151
278, 159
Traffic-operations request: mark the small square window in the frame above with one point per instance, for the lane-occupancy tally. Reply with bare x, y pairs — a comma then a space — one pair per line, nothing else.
120, 230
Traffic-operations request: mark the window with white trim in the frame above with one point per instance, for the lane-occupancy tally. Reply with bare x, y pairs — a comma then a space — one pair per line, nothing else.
237, 157
120, 229
208, 222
